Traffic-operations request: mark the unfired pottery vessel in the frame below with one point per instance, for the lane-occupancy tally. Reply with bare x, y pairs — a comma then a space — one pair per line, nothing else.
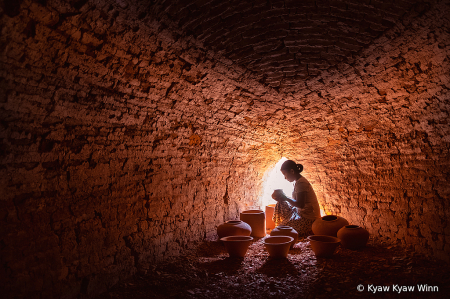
323, 246
269, 214
278, 192
237, 245
257, 221
353, 236
328, 225
234, 228
284, 230
278, 246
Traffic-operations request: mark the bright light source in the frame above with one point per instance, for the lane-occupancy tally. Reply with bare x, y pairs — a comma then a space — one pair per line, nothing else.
275, 180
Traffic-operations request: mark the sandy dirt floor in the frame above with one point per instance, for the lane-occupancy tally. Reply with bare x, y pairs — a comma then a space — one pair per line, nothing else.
208, 272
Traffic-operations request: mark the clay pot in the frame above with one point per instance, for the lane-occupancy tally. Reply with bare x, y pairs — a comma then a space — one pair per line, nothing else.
257, 221
278, 193
270, 209
323, 246
237, 245
234, 228
328, 225
278, 246
353, 236
284, 230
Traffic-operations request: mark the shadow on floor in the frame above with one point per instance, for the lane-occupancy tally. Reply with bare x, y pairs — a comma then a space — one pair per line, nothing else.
208, 273
210, 249
277, 268
215, 248
228, 265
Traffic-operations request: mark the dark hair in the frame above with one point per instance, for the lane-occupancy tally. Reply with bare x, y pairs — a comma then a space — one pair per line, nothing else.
289, 164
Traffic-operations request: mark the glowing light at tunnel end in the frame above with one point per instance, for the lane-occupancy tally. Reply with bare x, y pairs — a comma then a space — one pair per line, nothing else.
274, 179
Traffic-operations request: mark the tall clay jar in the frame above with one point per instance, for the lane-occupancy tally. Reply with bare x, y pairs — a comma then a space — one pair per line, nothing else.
284, 230
353, 236
328, 225
233, 228
257, 221
269, 215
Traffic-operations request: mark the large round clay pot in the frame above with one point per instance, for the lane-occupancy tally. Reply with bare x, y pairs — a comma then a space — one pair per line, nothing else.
328, 225
270, 209
353, 236
323, 246
234, 228
284, 230
237, 245
257, 221
278, 246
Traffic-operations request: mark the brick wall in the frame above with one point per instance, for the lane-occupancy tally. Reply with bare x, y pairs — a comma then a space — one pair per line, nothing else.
285, 42
374, 134
122, 141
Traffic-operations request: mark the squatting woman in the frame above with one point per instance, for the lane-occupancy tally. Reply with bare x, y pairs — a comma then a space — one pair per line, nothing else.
302, 209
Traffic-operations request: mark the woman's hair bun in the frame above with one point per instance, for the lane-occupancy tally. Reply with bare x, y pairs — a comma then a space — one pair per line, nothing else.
289, 164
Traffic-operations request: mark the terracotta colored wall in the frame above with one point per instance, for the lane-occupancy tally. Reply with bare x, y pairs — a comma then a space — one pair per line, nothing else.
374, 134
120, 146
123, 141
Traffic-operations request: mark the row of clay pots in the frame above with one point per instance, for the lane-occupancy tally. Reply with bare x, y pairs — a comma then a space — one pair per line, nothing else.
237, 235
251, 223
277, 246
331, 230
281, 239
351, 236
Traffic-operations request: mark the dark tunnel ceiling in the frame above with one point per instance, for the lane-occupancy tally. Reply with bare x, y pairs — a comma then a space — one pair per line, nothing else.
284, 42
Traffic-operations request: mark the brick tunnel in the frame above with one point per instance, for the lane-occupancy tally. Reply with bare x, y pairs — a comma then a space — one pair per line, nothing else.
130, 129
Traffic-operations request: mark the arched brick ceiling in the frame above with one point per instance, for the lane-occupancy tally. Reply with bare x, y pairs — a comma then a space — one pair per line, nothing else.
284, 41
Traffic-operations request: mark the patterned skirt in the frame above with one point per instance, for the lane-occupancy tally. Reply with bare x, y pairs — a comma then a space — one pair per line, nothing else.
285, 214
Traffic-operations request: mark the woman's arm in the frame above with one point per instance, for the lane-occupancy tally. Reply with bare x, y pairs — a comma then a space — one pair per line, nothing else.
299, 203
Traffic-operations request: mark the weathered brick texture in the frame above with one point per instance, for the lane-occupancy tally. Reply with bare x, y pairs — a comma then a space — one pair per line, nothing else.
124, 139
121, 145
375, 134
285, 42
